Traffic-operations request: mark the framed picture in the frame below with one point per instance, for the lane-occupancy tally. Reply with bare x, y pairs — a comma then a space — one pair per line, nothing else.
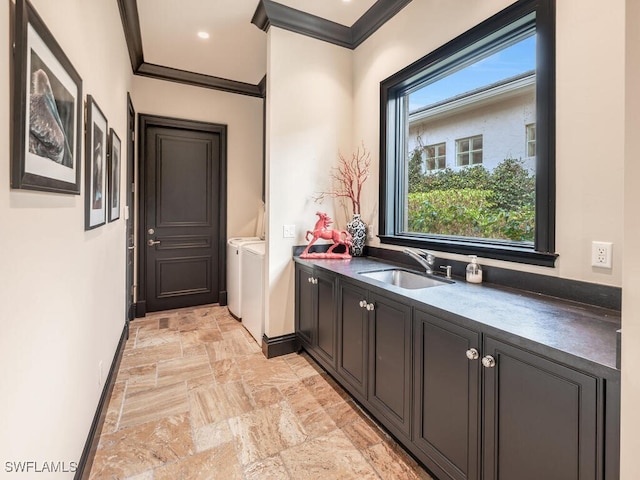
46, 109
115, 147
95, 161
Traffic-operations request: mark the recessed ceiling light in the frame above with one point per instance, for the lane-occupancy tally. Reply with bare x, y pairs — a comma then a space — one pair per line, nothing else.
203, 35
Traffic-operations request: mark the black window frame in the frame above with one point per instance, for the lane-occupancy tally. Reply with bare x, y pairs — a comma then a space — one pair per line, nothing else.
392, 155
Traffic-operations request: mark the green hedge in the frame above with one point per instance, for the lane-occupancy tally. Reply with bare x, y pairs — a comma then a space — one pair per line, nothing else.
474, 202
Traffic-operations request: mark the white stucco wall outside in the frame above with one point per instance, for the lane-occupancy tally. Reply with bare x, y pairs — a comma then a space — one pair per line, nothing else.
501, 123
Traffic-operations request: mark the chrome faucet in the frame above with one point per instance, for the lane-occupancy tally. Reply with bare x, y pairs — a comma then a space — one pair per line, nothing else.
426, 259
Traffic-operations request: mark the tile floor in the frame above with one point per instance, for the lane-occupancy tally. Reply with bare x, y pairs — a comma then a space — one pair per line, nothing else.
196, 399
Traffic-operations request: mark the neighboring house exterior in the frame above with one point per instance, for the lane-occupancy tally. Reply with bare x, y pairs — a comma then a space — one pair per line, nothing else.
482, 126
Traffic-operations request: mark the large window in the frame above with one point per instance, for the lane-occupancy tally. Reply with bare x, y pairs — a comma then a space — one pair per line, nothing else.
497, 199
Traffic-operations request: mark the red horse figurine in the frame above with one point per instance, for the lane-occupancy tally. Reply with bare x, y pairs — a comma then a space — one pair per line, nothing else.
321, 230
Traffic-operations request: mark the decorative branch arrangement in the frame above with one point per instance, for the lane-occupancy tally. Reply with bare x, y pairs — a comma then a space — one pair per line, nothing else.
349, 177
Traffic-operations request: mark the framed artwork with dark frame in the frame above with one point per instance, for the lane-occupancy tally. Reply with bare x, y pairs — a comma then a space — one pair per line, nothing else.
95, 155
115, 149
46, 109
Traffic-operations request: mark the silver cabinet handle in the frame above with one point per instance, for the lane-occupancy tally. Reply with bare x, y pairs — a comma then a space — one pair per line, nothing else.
472, 354
363, 303
310, 279
315, 281
488, 361
131, 247
151, 242
370, 307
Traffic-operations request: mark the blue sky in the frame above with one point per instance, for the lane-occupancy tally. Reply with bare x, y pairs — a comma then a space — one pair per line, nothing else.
506, 63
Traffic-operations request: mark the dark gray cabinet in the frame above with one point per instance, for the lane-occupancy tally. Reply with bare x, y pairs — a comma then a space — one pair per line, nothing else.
353, 335
315, 313
374, 354
540, 417
390, 382
305, 305
447, 397
464, 401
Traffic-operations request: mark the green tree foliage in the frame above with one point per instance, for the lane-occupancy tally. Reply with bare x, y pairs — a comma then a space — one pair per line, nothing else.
474, 202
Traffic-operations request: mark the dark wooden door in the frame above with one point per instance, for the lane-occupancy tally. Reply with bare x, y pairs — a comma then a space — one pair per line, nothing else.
305, 304
129, 215
390, 379
447, 397
353, 335
540, 418
183, 219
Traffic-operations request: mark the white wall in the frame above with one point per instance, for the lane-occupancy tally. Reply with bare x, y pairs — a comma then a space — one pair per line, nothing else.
308, 123
62, 295
242, 115
590, 105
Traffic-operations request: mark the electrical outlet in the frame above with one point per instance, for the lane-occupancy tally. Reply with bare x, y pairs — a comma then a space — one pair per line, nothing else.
601, 253
288, 231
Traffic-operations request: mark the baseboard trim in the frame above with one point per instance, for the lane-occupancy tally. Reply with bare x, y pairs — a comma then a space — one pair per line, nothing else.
90, 447
282, 345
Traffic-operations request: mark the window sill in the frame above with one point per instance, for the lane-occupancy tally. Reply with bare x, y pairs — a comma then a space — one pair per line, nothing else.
507, 253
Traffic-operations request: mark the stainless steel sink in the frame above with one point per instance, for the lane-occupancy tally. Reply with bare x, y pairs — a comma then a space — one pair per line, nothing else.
404, 279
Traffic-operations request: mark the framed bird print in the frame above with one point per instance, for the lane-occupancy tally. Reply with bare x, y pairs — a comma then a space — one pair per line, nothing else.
95, 187
46, 109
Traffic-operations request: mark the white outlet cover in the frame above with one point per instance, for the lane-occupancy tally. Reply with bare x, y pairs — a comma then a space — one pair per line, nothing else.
601, 253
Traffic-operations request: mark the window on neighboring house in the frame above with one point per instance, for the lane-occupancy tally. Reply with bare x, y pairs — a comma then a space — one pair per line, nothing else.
469, 151
531, 140
436, 156
494, 78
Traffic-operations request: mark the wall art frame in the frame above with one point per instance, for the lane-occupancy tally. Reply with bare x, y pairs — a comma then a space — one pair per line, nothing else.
46, 109
95, 187
115, 169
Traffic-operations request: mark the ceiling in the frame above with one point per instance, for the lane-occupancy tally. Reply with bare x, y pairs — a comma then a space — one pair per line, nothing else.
163, 41
236, 49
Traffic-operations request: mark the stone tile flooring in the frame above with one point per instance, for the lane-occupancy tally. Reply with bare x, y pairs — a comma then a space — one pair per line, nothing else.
196, 399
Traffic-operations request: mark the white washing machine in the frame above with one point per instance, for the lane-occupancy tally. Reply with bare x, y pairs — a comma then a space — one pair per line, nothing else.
253, 289
234, 273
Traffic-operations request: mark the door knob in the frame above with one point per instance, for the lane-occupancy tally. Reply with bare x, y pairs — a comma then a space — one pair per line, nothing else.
472, 354
151, 242
488, 362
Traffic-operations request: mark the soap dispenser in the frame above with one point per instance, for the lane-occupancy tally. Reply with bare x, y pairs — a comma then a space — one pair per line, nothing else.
474, 272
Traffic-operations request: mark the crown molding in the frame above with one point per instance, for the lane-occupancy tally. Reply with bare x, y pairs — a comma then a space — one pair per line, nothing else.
272, 14
198, 80
269, 13
380, 13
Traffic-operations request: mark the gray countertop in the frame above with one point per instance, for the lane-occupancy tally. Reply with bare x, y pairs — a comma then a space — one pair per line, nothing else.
580, 335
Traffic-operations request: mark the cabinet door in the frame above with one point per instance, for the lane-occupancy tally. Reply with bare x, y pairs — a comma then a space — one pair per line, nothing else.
326, 315
305, 305
353, 330
447, 397
390, 379
540, 418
